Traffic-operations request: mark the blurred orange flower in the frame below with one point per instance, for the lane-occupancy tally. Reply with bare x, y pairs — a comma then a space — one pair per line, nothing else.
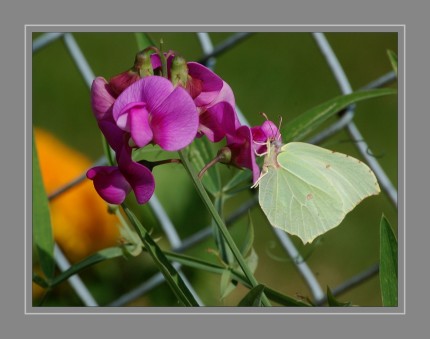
79, 217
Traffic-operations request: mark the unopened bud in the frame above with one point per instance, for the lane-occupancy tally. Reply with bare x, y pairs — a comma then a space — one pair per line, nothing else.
120, 82
179, 71
142, 63
224, 155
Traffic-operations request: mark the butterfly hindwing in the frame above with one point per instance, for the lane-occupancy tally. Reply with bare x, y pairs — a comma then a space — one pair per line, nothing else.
308, 190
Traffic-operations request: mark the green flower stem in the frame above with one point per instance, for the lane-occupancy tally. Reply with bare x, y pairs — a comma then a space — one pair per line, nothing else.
107, 151
163, 60
223, 248
170, 273
221, 226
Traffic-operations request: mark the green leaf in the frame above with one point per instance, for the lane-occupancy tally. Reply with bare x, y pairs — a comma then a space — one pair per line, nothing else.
393, 59
307, 122
143, 40
149, 153
253, 297
226, 284
242, 179
252, 260
42, 231
333, 302
105, 254
388, 264
249, 237
283, 299
201, 153
40, 281
170, 274
224, 251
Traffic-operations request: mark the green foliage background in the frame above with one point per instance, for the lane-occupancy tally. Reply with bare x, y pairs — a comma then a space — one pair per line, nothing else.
276, 73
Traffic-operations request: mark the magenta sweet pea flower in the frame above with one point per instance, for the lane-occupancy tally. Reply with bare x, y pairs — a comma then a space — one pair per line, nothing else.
214, 100
102, 98
109, 183
153, 110
113, 183
102, 101
261, 134
241, 147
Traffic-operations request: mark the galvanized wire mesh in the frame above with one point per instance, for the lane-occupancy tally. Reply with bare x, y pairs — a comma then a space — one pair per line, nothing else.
210, 53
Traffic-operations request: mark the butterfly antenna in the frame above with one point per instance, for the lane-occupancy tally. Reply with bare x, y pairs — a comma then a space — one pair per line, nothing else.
279, 126
264, 115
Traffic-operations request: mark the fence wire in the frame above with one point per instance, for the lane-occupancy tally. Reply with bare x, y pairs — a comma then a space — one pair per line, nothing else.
210, 52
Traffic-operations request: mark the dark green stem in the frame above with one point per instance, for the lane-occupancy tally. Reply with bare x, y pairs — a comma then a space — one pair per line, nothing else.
208, 165
221, 226
163, 60
152, 164
170, 274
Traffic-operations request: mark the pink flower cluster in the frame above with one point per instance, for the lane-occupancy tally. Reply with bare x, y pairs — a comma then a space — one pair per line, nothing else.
133, 111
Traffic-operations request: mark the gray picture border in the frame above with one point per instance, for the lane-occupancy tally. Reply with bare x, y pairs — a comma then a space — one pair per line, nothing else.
18, 324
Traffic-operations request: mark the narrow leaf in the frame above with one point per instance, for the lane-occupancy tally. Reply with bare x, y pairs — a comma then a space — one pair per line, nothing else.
388, 264
393, 59
169, 272
143, 40
201, 153
226, 285
42, 231
224, 251
211, 267
283, 299
249, 237
253, 297
252, 260
40, 281
331, 300
307, 122
105, 254
241, 179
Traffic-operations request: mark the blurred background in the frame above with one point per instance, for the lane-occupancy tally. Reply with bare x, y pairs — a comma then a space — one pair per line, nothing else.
281, 74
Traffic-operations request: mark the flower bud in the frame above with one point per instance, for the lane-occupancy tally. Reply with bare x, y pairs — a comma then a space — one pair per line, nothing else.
179, 71
224, 155
142, 67
120, 82
142, 63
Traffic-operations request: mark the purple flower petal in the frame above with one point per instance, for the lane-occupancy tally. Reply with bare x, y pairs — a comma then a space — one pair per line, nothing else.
152, 90
261, 134
156, 62
175, 121
109, 183
120, 82
270, 130
101, 98
225, 94
135, 118
139, 177
217, 121
113, 134
211, 84
241, 146
219, 118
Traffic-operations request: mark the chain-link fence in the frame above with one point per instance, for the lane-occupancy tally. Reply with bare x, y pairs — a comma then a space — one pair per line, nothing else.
344, 123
